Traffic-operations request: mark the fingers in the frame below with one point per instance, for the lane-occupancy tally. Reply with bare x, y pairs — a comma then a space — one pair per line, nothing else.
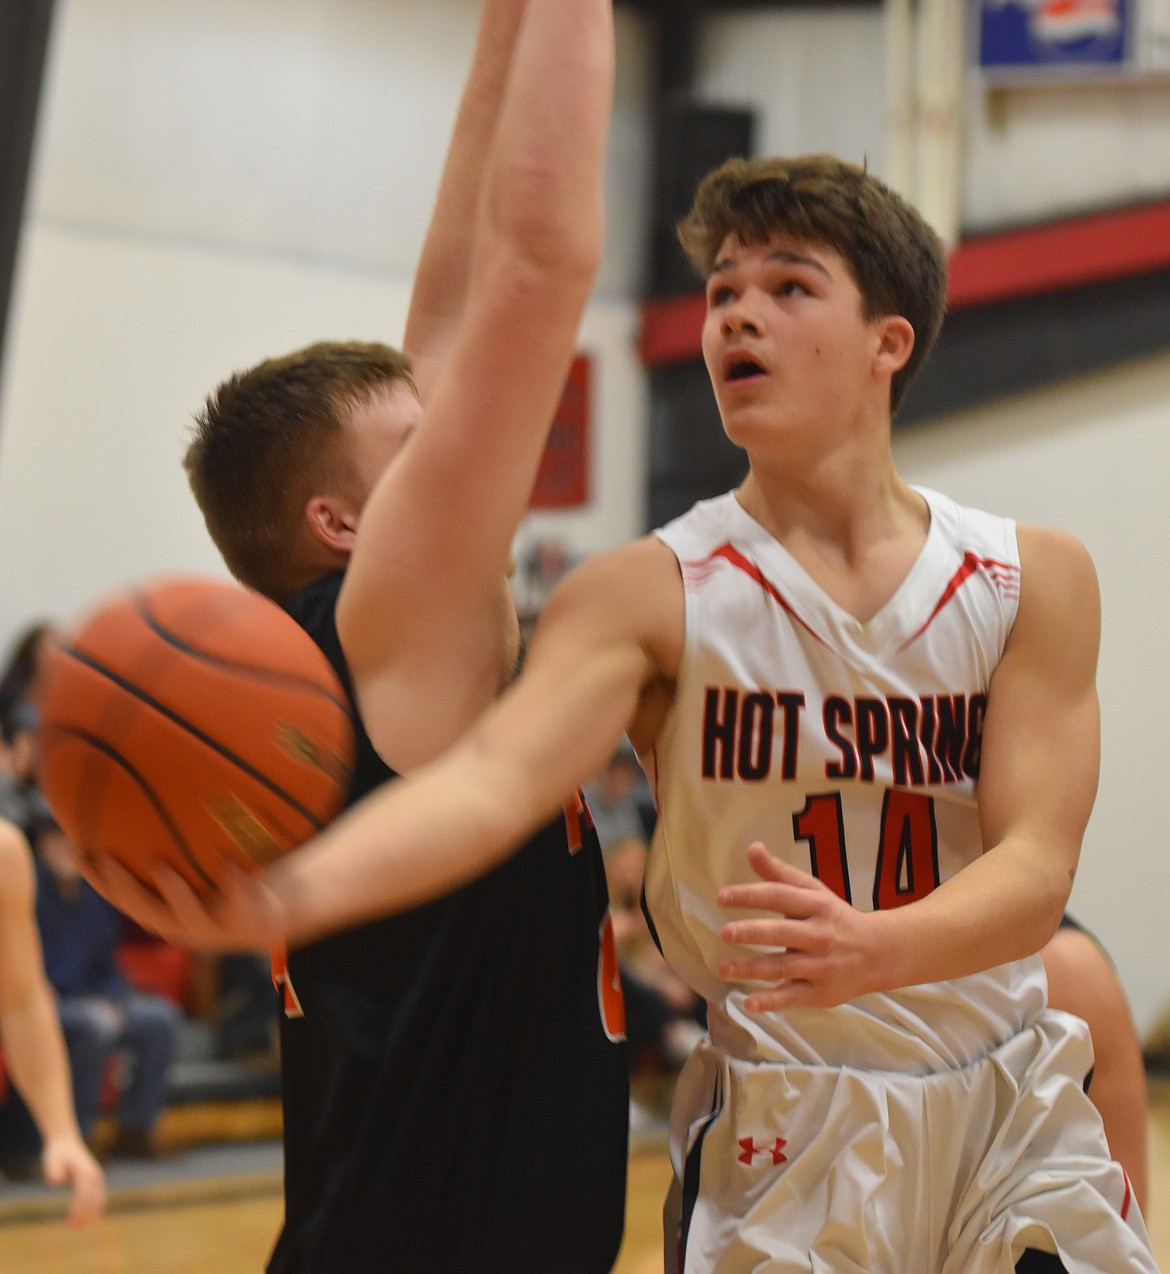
795, 903
766, 865
770, 966
780, 887
782, 997
72, 1164
122, 888
183, 902
767, 932
88, 1201
241, 916
97, 872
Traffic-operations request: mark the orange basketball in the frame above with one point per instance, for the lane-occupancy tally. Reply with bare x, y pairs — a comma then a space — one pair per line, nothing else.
190, 720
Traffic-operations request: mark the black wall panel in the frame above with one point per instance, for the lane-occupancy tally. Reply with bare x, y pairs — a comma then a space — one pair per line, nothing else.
24, 39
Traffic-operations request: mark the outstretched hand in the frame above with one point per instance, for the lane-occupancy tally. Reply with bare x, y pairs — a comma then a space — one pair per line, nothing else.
68, 1162
824, 953
241, 915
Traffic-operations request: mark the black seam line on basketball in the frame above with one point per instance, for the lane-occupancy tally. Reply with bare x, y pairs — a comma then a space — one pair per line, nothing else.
159, 808
262, 674
215, 746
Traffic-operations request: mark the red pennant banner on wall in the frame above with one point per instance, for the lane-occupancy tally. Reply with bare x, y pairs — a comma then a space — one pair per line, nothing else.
562, 482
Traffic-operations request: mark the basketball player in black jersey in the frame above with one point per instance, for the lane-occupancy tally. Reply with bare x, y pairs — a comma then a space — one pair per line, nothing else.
454, 1079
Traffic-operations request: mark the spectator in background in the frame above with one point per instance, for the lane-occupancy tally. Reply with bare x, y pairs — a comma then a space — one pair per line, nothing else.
34, 1052
20, 673
541, 567
101, 1015
18, 793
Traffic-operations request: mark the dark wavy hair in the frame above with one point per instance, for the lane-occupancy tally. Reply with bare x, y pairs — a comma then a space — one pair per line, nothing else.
897, 261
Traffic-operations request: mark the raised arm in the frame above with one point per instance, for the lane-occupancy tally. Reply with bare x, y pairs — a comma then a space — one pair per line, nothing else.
1037, 783
425, 617
441, 282
33, 1044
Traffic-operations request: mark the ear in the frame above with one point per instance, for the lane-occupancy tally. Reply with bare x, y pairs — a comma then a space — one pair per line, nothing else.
331, 522
895, 344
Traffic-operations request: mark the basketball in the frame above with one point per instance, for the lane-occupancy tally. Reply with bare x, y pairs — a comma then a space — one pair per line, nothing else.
189, 721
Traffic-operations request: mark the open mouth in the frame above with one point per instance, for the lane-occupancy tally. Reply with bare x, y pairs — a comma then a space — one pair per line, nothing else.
743, 369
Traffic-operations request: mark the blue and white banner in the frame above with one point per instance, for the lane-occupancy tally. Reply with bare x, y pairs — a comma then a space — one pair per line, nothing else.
1051, 36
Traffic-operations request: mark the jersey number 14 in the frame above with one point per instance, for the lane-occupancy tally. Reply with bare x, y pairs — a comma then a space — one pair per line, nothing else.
907, 853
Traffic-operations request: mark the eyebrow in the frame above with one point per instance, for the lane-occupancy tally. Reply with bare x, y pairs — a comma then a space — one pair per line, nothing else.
781, 255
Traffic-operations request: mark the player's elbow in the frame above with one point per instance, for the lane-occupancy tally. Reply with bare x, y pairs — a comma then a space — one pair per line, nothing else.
545, 228
1052, 886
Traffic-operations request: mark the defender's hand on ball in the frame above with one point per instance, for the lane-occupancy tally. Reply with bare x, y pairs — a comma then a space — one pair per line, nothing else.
824, 952
241, 915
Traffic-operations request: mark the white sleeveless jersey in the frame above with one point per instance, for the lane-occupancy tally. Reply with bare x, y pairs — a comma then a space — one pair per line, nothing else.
851, 750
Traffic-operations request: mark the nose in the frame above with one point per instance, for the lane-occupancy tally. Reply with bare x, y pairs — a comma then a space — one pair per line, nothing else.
739, 316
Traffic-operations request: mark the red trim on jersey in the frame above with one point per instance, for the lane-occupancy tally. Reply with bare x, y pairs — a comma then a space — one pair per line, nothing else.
734, 557
576, 813
290, 1001
1005, 575
1128, 1196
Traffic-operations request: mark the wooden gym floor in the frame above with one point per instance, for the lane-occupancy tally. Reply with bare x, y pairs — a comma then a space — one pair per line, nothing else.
227, 1226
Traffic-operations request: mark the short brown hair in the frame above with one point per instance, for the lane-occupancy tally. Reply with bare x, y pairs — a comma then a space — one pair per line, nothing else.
896, 259
268, 439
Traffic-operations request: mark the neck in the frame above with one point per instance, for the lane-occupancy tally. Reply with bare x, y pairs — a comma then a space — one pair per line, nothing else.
844, 496
857, 543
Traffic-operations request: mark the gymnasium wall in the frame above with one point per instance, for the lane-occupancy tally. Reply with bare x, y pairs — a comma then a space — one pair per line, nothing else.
215, 182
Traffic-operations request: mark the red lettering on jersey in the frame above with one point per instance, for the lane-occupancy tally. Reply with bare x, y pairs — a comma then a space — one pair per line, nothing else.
283, 983
822, 824
907, 858
610, 1000
577, 817
575, 811
907, 863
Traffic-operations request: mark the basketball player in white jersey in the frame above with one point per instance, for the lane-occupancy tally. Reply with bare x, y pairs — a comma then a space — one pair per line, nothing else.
892, 699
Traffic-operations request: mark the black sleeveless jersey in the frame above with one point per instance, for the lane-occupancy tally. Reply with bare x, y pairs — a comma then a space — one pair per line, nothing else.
454, 1099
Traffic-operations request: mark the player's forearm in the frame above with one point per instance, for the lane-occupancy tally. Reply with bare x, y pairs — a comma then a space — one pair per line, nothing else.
1002, 907
444, 267
35, 1055
419, 837
405, 844
543, 197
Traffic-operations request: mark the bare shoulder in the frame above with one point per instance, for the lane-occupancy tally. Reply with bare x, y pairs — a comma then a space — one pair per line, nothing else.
1058, 587
636, 589
1056, 637
627, 600
1050, 551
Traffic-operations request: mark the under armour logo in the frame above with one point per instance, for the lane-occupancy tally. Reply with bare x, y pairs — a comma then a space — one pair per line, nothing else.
749, 1148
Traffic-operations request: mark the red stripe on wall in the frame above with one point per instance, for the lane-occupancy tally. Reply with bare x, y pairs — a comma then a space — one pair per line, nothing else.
983, 270
672, 329
1108, 245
